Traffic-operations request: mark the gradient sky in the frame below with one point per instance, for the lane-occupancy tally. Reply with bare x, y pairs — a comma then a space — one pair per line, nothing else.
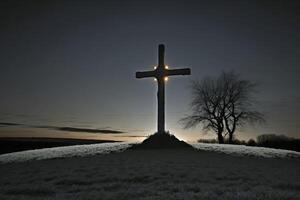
73, 63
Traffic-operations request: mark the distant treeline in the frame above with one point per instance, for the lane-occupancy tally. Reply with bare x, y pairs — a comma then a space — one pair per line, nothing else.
265, 140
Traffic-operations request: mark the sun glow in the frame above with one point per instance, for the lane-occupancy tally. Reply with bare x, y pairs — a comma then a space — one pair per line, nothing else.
166, 78
167, 67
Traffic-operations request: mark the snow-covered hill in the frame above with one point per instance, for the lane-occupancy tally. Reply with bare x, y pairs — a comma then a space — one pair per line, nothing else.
105, 171
94, 149
64, 152
243, 150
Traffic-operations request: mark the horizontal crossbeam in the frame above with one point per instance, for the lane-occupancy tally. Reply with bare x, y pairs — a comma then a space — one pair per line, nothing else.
145, 74
164, 73
173, 72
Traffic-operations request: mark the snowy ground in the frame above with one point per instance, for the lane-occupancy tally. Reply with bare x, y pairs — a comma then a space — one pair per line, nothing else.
104, 148
242, 150
152, 174
64, 152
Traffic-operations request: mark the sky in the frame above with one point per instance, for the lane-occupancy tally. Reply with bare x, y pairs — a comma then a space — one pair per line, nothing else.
73, 64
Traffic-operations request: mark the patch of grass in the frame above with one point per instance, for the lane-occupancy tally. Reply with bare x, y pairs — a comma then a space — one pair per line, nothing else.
33, 192
194, 189
138, 179
164, 173
108, 179
287, 186
232, 178
218, 191
182, 175
73, 182
47, 179
79, 170
112, 187
73, 191
175, 190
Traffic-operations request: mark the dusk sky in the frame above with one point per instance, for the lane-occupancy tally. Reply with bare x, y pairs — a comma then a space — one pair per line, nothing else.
73, 63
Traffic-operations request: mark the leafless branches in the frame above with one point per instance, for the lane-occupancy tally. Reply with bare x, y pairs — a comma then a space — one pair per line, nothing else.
222, 105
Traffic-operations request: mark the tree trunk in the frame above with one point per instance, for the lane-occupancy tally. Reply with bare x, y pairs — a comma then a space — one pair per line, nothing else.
220, 138
230, 139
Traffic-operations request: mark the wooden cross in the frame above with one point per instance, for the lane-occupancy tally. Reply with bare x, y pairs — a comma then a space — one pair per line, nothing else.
161, 72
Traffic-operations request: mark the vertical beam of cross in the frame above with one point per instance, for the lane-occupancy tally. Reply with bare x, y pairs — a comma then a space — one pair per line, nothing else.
161, 90
160, 73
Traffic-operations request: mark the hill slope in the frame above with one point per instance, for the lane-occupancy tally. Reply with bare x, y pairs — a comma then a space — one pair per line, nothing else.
152, 174
104, 148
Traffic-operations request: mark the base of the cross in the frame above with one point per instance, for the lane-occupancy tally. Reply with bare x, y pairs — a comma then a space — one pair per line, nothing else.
163, 140
162, 132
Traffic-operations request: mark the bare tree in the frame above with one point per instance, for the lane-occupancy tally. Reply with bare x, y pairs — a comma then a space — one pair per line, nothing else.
238, 102
206, 107
222, 105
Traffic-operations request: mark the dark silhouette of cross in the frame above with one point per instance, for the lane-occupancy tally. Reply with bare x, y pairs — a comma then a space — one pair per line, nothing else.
161, 72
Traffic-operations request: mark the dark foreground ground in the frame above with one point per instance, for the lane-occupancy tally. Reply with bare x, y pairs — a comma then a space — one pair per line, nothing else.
8, 145
153, 174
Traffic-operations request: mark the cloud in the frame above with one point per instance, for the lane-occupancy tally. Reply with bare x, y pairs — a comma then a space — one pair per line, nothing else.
69, 129
9, 124
88, 130
132, 136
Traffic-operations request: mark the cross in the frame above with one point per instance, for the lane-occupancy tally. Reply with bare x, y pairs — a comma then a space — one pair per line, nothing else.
161, 72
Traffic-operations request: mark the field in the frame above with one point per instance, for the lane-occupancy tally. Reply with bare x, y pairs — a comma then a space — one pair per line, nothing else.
149, 174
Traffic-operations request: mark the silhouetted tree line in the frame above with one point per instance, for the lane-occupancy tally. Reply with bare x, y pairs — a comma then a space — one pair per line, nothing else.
278, 142
265, 140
